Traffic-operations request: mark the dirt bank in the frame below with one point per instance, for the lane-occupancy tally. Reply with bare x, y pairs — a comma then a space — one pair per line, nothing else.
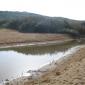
11, 37
70, 72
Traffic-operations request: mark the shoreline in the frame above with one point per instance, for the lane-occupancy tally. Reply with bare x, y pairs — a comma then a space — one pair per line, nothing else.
59, 65
14, 37
44, 43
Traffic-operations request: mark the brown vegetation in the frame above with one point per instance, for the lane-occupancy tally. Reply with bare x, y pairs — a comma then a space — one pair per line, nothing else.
14, 37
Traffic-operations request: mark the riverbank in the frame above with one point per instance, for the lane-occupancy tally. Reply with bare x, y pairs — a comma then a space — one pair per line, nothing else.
44, 43
67, 71
9, 38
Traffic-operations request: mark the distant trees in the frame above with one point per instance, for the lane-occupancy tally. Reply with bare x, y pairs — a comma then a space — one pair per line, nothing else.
33, 23
82, 30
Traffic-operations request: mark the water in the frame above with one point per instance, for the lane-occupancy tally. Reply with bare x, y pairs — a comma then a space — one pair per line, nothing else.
15, 62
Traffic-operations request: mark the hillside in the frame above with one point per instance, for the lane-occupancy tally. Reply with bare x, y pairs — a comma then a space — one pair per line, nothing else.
34, 23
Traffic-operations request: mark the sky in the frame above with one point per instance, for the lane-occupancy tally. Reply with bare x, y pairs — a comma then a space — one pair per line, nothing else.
73, 9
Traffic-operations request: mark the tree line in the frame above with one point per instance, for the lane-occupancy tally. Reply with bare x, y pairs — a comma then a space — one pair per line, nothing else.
35, 23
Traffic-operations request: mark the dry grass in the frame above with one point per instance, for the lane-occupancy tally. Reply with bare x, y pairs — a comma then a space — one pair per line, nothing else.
11, 36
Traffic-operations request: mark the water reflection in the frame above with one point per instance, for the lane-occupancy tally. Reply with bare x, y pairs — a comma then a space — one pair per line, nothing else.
15, 62
42, 49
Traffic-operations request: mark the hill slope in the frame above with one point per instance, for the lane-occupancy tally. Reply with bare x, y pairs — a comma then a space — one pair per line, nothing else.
34, 23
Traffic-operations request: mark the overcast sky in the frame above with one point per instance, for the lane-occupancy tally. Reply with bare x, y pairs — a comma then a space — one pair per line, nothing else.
74, 9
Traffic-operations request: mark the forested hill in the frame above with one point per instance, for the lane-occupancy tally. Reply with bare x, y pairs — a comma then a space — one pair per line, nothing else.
35, 23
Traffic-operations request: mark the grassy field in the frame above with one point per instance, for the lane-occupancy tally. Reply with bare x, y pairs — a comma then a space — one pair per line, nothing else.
13, 37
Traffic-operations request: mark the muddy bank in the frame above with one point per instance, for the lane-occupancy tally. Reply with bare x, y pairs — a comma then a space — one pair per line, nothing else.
66, 71
12, 37
45, 43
